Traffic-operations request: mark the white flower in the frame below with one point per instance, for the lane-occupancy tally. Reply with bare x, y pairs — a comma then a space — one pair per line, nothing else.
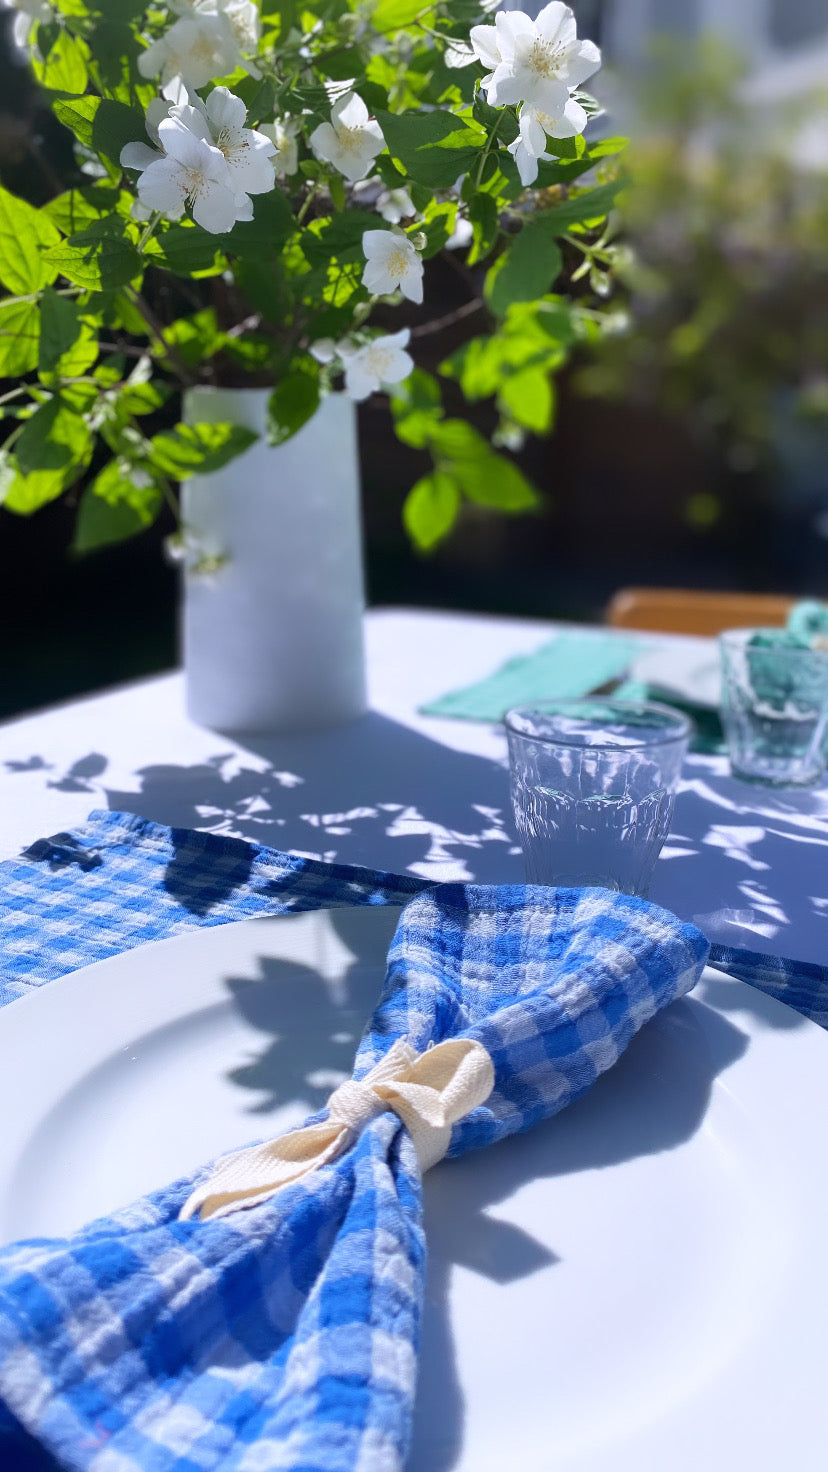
190, 171
392, 262
536, 61
27, 12
220, 121
351, 140
461, 235
381, 362
323, 350
282, 133
195, 49
535, 127
242, 19
394, 205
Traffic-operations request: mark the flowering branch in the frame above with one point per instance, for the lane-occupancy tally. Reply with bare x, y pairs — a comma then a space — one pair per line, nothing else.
272, 210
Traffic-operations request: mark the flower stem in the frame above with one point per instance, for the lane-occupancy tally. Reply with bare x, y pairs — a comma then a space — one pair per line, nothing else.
156, 330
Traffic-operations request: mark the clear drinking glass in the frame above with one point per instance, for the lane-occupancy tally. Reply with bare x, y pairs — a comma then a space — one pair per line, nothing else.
774, 708
593, 786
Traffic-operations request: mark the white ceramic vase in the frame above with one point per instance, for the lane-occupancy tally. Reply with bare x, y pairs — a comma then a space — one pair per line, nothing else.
274, 640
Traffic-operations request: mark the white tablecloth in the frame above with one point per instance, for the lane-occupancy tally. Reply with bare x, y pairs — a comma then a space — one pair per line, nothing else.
409, 793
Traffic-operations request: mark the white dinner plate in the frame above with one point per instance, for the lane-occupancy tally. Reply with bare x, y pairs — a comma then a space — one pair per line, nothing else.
637, 1285
689, 670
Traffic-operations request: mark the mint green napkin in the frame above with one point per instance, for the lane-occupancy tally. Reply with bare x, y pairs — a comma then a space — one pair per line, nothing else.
570, 664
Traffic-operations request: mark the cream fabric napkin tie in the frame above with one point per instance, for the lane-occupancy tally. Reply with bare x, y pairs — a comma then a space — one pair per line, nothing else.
428, 1091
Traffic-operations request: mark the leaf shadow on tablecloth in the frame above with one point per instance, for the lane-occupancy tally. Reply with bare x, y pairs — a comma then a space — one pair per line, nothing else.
747, 864
653, 1100
373, 793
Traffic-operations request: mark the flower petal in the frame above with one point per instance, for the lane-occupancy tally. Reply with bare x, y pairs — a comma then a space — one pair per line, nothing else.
399, 367
411, 285
193, 119
574, 121
349, 111
225, 110
583, 62
511, 25
556, 22
161, 187
359, 383
138, 156
324, 142
378, 244
214, 209
244, 207
484, 40
376, 279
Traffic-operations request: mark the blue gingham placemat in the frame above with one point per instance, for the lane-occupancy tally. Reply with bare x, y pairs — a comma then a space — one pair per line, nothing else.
119, 881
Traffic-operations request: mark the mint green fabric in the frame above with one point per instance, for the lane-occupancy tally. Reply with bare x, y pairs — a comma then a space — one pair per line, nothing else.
570, 664
707, 737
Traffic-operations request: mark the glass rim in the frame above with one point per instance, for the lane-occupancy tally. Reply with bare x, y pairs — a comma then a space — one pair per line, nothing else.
739, 639
681, 725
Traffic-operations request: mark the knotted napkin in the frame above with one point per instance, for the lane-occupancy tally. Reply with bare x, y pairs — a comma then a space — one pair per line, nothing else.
282, 1332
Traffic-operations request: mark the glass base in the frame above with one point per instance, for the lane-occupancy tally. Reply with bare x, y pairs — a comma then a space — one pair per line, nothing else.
770, 778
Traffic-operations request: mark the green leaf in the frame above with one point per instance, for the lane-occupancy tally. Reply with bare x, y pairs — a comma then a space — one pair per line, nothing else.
54, 440
195, 338
495, 481
78, 208
416, 404
484, 216
272, 223
59, 328
118, 504
337, 190
391, 15
339, 238
27, 493
569, 148
589, 207
456, 439
102, 124
262, 282
430, 509
437, 227
198, 449
293, 402
78, 115
433, 147
80, 356
19, 338
112, 127
528, 399
24, 234
143, 398
526, 270
99, 257
188, 251
63, 69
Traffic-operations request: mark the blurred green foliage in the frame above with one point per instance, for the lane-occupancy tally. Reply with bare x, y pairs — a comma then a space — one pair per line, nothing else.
726, 274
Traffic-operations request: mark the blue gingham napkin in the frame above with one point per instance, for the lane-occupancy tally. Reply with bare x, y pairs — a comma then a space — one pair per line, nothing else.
285, 1335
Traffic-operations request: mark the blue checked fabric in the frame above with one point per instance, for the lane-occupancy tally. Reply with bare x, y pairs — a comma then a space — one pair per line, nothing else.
285, 1335
120, 881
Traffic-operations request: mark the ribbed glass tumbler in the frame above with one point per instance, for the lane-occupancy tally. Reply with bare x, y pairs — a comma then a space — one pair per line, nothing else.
593, 784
